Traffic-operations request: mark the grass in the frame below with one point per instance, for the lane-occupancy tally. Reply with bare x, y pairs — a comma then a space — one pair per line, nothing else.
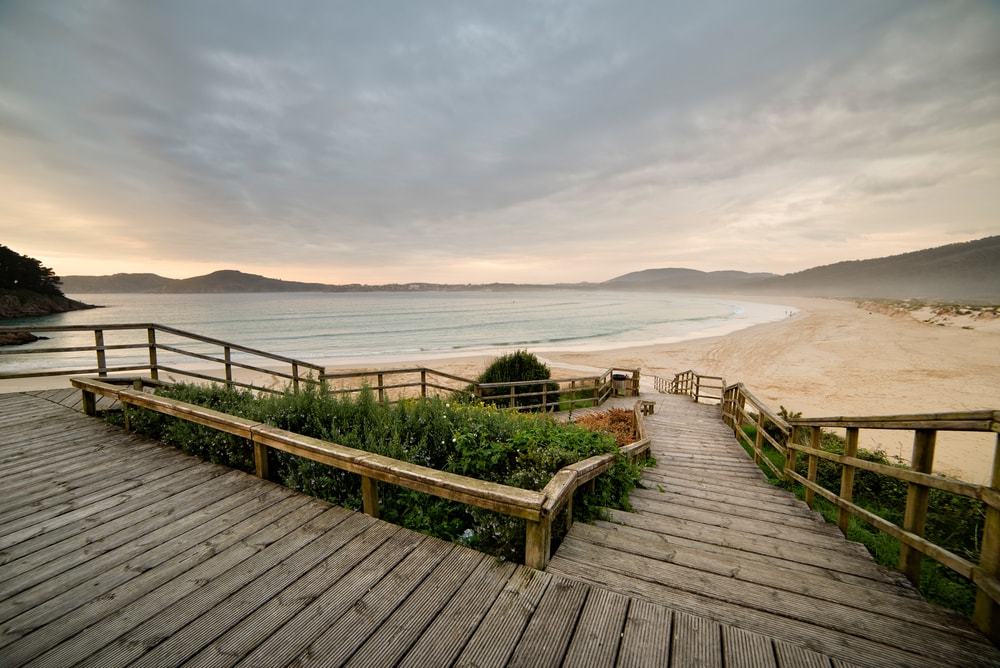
953, 522
475, 440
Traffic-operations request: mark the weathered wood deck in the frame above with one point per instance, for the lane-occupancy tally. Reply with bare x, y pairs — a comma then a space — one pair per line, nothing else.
118, 551
115, 551
710, 537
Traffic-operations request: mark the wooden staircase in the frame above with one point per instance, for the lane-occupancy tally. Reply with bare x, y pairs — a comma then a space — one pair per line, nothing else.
710, 537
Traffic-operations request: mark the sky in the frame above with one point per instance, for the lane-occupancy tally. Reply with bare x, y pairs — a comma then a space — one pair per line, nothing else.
474, 142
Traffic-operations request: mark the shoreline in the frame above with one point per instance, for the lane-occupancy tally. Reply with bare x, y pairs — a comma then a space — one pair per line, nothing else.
832, 357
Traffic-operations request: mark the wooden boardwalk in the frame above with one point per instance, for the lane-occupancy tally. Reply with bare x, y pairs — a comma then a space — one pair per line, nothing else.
710, 537
116, 551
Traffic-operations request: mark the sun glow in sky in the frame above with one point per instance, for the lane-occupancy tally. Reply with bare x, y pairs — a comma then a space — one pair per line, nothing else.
473, 142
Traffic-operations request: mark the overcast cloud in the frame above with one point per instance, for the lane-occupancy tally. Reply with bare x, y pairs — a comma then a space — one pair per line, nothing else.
399, 141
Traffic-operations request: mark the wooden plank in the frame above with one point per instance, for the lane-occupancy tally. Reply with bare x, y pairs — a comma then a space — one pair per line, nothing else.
56, 575
598, 631
231, 609
340, 639
845, 646
549, 631
395, 556
799, 517
833, 560
312, 587
796, 656
444, 639
646, 637
697, 641
497, 636
171, 613
893, 602
400, 631
746, 525
776, 614
43, 628
743, 648
39, 532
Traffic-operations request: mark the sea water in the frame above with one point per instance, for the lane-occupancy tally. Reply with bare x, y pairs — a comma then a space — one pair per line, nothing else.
381, 327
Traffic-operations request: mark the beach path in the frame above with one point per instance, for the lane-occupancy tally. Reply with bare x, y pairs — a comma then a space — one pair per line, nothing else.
116, 550
710, 537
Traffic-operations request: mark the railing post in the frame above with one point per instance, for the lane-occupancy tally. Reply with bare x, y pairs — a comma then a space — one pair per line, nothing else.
227, 356
847, 479
916, 502
987, 614
260, 459
537, 542
381, 386
511, 396
89, 403
817, 437
790, 454
295, 378
154, 371
102, 364
423, 382
697, 388
635, 382
369, 496
545, 397
758, 437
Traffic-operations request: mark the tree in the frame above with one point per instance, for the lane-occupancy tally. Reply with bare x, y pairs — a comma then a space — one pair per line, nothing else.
514, 367
20, 272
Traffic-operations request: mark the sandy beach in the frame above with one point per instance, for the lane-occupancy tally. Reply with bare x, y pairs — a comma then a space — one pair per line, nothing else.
831, 358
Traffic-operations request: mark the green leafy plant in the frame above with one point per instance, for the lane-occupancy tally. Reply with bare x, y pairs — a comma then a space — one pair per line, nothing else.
483, 442
517, 367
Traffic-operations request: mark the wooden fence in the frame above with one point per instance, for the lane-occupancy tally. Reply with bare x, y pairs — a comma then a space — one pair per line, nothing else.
741, 408
153, 341
697, 385
389, 384
537, 508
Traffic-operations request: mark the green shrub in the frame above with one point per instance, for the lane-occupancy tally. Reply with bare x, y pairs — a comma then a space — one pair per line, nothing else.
482, 442
953, 522
516, 367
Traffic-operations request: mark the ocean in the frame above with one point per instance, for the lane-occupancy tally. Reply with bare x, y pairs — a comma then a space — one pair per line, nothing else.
383, 327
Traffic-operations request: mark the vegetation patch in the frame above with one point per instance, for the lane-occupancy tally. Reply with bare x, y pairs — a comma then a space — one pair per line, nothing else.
517, 367
479, 441
617, 422
953, 522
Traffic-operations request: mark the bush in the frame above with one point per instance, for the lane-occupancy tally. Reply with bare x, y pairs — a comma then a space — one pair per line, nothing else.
478, 441
516, 367
953, 522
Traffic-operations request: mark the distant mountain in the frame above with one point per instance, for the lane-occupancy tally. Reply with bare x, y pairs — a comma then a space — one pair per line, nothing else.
969, 270
217, 281
674, 278
963, 271
228, 281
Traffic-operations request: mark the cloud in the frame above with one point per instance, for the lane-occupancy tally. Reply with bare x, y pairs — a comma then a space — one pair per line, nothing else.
399, 141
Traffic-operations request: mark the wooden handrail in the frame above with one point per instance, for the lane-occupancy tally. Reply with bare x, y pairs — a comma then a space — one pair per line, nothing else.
537, 508
151, 344
919, 478
984, 420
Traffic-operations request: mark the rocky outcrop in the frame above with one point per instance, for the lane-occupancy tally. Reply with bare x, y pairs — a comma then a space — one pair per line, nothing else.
24, 303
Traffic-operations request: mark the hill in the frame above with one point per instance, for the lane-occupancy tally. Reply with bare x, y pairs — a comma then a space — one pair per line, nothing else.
675, 278
962, 271
217, 281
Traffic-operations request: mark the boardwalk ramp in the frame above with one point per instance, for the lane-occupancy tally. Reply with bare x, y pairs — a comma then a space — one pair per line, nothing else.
710, 537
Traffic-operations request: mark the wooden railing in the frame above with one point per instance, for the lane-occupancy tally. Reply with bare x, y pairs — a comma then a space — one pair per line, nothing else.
697, 385
389, 384
741, 408
537, 508
152, 342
